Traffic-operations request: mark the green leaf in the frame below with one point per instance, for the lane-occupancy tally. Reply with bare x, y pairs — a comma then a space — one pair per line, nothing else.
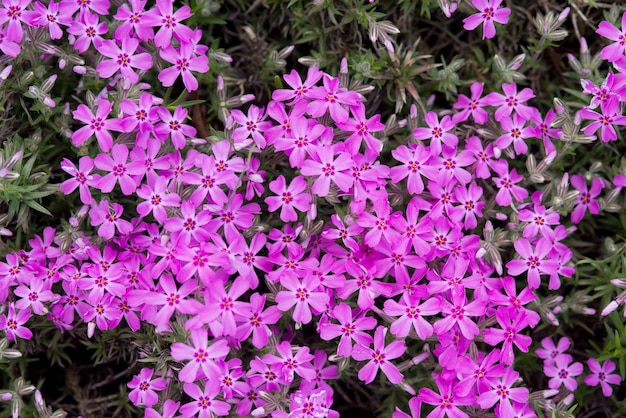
36, 206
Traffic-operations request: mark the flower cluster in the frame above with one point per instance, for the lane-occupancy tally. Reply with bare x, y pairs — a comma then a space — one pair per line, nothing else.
372, 252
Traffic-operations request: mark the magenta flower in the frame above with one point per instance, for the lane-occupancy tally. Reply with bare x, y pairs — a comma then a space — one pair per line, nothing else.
349, 328
169, 410
288, 198
163, 15
609, 91
562, 372
140, 116
605, 122
508, 190
511, 323
122, 59
9, 48
300, 90
511, 101
515, 131
16, 13
617, 50
144, 387
437, 132
533, 261
545, 131
204, 404
292, 361
200, 354
602, 374
451, 165
174, 126
549, 352
133, 21
52, 16
157, 198
446, 402
300, 141
328, 168
458, 313
97, 124
380, 225
416, 163
99, 6
87, 29
303, 295
471, 106
13, 323
361, 129
489, 12
539, 220
185, 61
411, 315
118, 170
379, 357
586, 197
256, 323
108, 218
82, 178
34, 295
478, 373
503, 392
331, 97
471, 205
253, 125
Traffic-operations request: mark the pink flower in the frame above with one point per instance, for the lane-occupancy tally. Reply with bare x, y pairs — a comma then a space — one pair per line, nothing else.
13, 323
617, 50
204, 404
200, 354
602, 374
163, 15
302, 294
253, 125
533, 260
437, 132
83, 179
490, 11
331, 97
34, 295
380, 225
515, 131
133, 21
446, 401
473, 106
289, 198
411, 315
511, 323
257, 321
471, 205
508, 190
361, 129
300, 140
416, 163
586, 197
157, 198
185, 61
605, 122
549, 352
511, 101
88, 29
562, 372
144, 387
349, 328
328, 168
108, 218
52, 16
122, 59
97, 124
174, 126
118, 170
16, 13
458, 313
502, 391
300, 90
142, 115
292, 361
379, 357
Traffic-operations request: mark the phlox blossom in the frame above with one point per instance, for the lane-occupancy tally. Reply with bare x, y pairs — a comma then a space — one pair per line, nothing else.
489, 12
602, 374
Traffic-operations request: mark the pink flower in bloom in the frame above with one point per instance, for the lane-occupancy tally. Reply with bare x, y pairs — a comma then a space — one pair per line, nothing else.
13, 323
562, 372
87, 29
349, 328
200, 354
173, 126
133, 21
490, 12
288, 198
502, 391
549, 352
545, 131
458, 312
300, 141
415, 165
256, 323
511, 101
616, 50
586, 197
610, 90
204, 404
83, 179
99, 6
185, 61
34, 295
144, 387
539, 220
52, 16
300, 90
361, 129
446, 402
252, 125
108, 218
122, 59
437, 132
411, 315
478, 373
157, 198
471, 205
602, 374
380, 226
16, 13
508, 190
302, 294
605, 122
451, 165
163, 15
473, 106
292, 361
97, 124
140, 116
533, 260
328, 168
515, 132
511, 323
379, 357
331, 97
